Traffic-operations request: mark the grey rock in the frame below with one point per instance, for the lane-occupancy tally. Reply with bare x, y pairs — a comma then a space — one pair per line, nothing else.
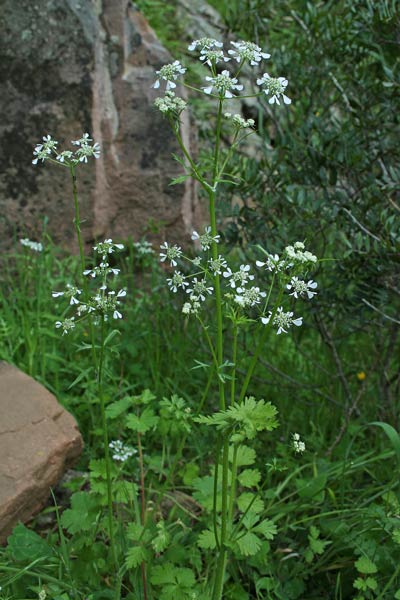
68, 67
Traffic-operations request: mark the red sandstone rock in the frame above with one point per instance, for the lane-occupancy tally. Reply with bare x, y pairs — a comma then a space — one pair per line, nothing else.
39, 440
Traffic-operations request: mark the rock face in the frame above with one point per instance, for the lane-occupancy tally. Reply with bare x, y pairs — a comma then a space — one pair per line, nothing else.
38, 441
74, 66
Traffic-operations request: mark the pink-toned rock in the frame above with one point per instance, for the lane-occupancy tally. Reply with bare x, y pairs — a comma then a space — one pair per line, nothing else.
39, 440
68, 67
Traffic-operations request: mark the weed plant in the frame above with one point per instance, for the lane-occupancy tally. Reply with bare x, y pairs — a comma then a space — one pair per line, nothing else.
189, 490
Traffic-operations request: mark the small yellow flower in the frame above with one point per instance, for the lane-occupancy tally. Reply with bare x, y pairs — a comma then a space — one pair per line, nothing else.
361, 376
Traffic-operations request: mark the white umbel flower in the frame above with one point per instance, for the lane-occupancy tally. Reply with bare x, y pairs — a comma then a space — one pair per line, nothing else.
301, 288
204, 43
273, 263
239, 122
240, 277
249, 297
298, 445
217, 264
223, 83
35, 246
248, 51
297, 254
275, 88
177, 281
170, 104
170, 74
67, 325
172, 253
213, 57
282, 320
199, 289
205, 238
121, 451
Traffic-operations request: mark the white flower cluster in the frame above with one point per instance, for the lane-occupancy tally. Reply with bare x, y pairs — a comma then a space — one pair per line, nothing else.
273, 263
298, 254
246, 295
206, 238
120, 451
298, 446
35, 246
170, 104
222, 85
143, 248
170, 74
48, 148
104, 302
282, 320
275, 88
247, 51
239, 122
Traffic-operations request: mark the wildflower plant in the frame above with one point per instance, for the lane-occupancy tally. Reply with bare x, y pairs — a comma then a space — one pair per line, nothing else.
95, 306
253, 295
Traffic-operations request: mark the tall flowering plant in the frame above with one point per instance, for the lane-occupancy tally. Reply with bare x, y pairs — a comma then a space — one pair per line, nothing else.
260, 295
96, 307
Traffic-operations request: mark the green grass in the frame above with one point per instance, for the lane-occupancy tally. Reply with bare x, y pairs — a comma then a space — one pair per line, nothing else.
329, 510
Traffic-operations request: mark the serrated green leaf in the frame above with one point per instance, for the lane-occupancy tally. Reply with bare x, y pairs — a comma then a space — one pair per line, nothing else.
135, 556
365, 566
249, 544
247, 498
174, 578
267, 528
314, 532
115, 409
371, 583
82, 515
161, 541
245, 419
245, 455
204, 492
143, 423
250, 478
98, 469
309, 555
134, 531
25, 544
360, 584
317, 546
145, 397
206, 540
397, 595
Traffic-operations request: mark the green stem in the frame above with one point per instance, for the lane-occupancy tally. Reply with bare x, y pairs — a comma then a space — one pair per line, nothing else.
77, 220
77, 223
259, 349
233, 483
221, 563
105, 444
234, 360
